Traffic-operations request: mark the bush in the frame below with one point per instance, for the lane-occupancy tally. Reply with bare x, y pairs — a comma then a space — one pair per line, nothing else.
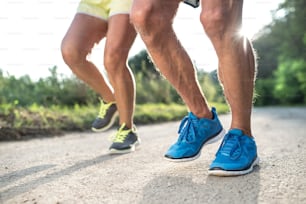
36, 121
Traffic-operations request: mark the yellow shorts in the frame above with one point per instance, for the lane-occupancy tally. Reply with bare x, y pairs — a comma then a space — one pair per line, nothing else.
104, 8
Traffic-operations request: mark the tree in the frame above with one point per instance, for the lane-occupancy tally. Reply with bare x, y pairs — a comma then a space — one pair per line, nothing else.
142, 63
290, 83
282, 52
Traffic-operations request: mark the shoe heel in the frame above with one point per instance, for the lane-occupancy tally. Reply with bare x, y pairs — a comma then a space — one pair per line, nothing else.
216, 138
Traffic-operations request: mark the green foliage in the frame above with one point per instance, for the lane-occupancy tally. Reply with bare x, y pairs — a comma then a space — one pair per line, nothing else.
152, 87
281, 49
53, 90
58, 103
154, 91
291, 27
264, 92
210, 85
290, 82
267, 47
17, 122
142, 63
150, 113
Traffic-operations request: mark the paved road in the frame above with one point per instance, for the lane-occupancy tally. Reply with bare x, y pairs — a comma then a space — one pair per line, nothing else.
76, 168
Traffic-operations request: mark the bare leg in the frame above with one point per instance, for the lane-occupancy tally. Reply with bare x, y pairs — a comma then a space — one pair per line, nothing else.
222, 20
153, 19
120, 37
83, 33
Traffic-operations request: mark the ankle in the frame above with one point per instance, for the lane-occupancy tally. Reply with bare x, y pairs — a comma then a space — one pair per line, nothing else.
245, 131
204, 114
127, 126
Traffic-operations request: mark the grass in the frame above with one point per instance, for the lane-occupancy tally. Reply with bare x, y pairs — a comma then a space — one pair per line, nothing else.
36, 121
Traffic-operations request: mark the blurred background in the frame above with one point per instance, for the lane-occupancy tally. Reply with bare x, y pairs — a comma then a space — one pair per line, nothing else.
39, 94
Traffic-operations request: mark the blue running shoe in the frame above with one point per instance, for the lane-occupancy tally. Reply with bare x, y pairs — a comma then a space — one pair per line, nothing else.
237, 155
194, 133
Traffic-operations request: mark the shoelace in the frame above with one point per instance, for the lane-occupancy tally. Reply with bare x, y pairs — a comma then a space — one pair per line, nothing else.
103, 108
231, 146
186, 130
120, 135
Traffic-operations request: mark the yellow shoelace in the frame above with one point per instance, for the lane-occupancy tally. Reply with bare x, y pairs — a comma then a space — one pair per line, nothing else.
103, 108
121, 134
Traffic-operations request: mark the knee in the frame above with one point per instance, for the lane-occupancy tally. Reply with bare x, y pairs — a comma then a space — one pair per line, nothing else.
141, 15
215, 21
72, 56
150, 19
151, 22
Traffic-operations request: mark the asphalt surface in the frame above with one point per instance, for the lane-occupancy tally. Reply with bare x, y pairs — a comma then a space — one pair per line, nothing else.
76, 168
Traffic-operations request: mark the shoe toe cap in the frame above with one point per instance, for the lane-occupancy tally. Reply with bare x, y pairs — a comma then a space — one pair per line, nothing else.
225, 163
179, 152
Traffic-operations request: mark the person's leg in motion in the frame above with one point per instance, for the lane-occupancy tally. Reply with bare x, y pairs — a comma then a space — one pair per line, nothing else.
222, 21
153, 20
120, 37
84, 32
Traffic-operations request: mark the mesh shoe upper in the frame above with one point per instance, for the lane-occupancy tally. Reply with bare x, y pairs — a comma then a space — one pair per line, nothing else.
106, 118
124, 140
237, 152
193, 134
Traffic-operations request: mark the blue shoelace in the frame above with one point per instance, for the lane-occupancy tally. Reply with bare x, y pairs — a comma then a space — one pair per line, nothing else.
186, 130
231, 146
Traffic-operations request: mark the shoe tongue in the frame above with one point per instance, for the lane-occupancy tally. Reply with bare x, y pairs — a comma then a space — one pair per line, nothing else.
124, 127
191, 115
236, 132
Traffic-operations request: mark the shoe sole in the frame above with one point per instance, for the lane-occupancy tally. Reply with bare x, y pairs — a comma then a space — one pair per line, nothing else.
224, 173
110, 124
133, 148
210, 141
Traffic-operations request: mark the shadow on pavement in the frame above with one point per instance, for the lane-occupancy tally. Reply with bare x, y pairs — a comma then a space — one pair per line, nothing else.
188, 189
25, 187
6, 179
